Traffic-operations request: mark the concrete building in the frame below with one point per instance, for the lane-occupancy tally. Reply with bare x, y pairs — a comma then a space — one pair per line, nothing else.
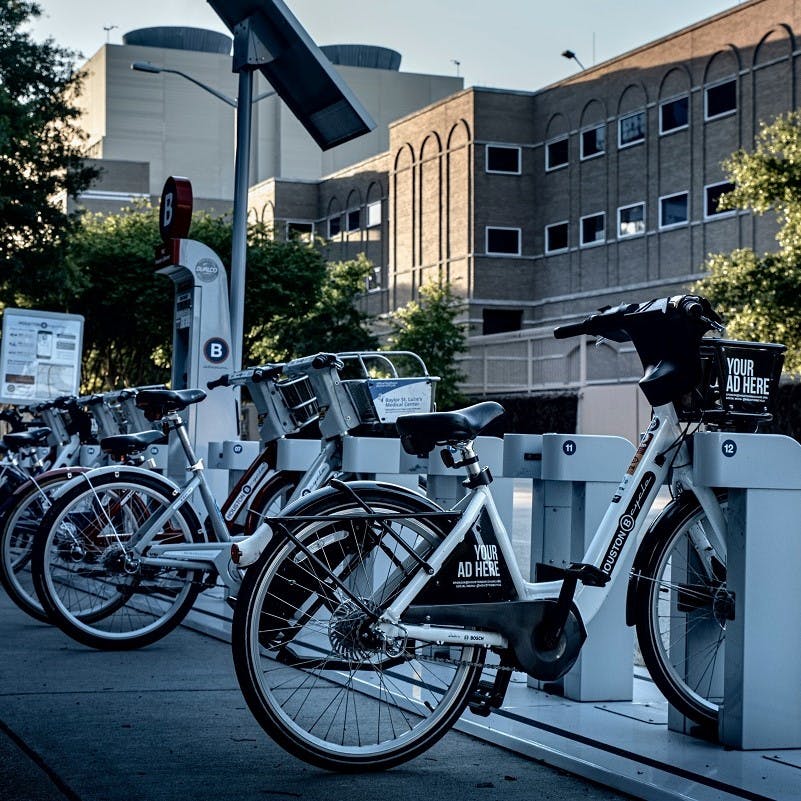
170, 126
540, 206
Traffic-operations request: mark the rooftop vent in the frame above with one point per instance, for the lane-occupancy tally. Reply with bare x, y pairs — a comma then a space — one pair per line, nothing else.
180, 38
357, 55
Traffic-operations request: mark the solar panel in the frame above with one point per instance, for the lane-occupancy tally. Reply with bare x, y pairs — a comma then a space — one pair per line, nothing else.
267, 35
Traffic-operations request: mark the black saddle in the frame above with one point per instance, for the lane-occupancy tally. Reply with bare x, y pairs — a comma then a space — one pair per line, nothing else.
26, 439
121, 445
421, 433
158, 403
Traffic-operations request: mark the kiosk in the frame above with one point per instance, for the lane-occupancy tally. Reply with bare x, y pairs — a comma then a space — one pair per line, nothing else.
201, 329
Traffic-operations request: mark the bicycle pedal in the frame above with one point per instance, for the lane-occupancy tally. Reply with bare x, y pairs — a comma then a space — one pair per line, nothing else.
489, 695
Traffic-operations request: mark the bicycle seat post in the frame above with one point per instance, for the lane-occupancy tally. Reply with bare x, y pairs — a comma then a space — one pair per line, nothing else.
176, 423
468, 459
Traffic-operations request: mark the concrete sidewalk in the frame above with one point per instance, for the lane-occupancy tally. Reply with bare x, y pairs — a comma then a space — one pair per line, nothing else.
168, 722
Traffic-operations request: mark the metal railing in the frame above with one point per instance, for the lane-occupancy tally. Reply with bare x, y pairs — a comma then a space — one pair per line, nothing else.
525, 362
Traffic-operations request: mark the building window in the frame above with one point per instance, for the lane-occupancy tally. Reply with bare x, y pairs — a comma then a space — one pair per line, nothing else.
593, 142
556, 154
354, 220
720, 99
503, 241
374, 214
631, 129
303, 231
674, 210
499, 321
631, 220
674, 115
374, 279
712, 195
334, 226
500, 158
556, 237
592, 229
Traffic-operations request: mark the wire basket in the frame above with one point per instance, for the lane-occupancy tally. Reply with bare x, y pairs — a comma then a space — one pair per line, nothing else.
298, 395
738, 384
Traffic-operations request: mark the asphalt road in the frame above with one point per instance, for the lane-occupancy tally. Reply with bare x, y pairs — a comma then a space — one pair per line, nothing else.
168, 722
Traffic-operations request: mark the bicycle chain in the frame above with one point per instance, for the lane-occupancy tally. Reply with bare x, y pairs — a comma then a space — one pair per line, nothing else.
466, 662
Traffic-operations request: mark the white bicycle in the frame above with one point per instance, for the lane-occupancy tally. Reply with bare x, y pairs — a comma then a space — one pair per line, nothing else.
360, 637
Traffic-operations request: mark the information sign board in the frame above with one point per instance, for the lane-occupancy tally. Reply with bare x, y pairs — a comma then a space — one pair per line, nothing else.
40, 355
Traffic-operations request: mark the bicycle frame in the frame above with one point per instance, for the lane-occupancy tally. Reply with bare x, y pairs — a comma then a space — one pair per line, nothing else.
661, 447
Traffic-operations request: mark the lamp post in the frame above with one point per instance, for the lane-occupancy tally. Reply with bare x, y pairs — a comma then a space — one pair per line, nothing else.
570, 55
243, 105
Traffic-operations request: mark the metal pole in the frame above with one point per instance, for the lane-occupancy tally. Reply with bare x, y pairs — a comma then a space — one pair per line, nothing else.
244, 116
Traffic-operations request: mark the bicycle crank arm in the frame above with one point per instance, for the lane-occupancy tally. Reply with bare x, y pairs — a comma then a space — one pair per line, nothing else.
245, 552
437, 634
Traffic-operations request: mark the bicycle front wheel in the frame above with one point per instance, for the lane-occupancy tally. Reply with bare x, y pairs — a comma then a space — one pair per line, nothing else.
682, 610
17, 531
90, 581
270, 499
316, 673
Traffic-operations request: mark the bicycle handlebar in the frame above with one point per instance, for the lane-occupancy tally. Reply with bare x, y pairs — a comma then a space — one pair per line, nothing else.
253, 375
616, 323
667, 335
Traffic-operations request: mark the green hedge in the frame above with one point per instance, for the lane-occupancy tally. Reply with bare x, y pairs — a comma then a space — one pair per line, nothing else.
535, 414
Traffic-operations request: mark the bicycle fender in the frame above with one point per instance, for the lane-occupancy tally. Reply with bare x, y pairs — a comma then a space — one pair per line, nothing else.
65, 473
247, 551
169, 486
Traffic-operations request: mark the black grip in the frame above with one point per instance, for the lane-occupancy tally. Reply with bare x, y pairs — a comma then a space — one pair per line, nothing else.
322, 360
570, 330
222, 381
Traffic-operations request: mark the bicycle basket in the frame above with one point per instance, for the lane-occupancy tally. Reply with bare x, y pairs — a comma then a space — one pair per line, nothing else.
298, 395
738, 383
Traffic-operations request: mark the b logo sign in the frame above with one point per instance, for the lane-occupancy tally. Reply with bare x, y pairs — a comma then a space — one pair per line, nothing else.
216, 350
175, 211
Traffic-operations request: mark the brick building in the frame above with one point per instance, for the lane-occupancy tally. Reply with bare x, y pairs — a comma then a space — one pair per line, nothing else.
543, 205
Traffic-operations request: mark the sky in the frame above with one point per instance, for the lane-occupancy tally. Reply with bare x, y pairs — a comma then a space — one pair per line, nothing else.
507, 44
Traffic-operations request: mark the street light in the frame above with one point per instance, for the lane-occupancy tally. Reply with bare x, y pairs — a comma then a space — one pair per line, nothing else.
570, 55
155, 69
236, 298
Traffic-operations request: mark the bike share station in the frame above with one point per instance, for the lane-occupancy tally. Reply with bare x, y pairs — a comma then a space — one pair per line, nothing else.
604, 720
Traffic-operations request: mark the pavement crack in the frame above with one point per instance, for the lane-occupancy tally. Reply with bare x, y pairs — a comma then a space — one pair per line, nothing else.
39, 761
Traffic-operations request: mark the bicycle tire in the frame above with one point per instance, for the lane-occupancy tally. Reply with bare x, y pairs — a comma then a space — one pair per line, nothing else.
681, 611
17, 531
82, 577
291, 627
271, 498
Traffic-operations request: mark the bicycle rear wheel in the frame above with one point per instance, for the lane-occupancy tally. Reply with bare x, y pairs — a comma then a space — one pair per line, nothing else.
316, 674
682, 609
90, 582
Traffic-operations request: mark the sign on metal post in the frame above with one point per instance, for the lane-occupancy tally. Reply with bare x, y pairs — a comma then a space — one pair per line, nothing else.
40, 355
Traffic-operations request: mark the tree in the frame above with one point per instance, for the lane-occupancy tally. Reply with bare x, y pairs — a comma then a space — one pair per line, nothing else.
758, 295
295, 302
333, 323
40, 158
427, 326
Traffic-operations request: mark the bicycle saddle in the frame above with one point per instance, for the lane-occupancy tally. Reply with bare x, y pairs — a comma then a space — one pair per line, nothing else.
21, 439
157, 403
121, 445
421, 433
